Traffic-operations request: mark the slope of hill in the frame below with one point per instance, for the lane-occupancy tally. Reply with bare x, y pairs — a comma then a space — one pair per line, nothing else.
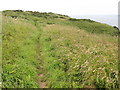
56, 51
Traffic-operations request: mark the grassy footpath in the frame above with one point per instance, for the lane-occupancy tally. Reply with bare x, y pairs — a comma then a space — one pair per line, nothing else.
42, 49
19, 54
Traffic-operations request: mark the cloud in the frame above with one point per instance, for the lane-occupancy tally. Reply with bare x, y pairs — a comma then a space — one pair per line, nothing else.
69, 7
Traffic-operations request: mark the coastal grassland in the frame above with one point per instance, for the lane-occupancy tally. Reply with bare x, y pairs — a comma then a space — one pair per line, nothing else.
51, 18
66, 52
74, 58
19, 54
91, 26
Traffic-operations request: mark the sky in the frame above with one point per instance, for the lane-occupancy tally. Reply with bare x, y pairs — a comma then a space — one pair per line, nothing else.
66, 7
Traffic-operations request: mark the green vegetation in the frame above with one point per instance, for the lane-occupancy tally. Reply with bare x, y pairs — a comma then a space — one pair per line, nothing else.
0, 49
79, 62
67, 52
19, 54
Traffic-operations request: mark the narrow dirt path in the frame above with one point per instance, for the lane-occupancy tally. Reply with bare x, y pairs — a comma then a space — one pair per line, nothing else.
42, 83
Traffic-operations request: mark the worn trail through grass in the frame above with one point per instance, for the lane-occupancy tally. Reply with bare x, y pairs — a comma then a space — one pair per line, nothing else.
49, 50
42, 83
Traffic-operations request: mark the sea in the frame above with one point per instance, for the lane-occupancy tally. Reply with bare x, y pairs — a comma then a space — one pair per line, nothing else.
107, 19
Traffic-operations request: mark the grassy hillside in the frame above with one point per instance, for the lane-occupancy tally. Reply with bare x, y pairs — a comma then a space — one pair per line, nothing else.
19, 53
56, 51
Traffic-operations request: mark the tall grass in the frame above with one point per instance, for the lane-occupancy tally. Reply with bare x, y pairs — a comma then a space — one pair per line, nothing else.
74, 58
70, 53
19, 54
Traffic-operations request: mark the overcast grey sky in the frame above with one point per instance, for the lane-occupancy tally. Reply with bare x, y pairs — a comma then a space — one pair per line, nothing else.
68, 7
